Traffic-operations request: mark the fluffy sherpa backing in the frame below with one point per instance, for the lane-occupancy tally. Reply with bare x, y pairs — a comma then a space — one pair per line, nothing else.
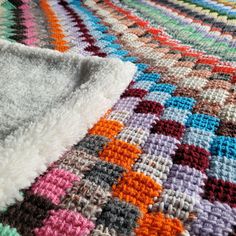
48, 101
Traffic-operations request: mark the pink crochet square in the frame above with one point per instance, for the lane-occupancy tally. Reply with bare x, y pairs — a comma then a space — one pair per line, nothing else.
64, 222
53, 184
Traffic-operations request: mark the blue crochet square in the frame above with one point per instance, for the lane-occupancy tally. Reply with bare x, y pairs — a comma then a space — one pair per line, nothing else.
97, 34
224, 147
109, 38
198, 138
109, 50
121, 53
183, 103
203, 121
166, 88
131, 59
101, 28
137, 75
157, 97
222, 168
149, 76
146, 85
176, 114
142, 66
115, 45
103, 43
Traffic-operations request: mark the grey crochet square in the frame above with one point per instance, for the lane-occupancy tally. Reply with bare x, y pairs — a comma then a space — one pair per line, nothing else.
186, 58
104, 174
120, 216
221, 76
202, 67
93, 144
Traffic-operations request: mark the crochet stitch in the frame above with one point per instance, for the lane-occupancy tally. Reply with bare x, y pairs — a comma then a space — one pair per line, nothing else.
162, 160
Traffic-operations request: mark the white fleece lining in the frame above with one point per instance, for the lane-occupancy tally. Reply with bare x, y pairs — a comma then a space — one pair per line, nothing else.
27, 152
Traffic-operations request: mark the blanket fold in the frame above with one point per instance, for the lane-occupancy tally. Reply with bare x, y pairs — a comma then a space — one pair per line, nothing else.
48, 100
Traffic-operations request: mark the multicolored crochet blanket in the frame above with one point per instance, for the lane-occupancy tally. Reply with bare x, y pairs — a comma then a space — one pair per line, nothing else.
162, 161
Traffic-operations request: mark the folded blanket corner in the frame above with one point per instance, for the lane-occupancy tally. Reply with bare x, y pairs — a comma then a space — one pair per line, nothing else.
48, 101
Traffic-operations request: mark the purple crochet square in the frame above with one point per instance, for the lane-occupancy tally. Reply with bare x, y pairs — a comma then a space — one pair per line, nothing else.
185, 179
213, 219
127, 104
142, 120
162, 145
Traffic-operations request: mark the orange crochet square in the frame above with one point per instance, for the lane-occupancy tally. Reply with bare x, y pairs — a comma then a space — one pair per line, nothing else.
62, 48
138, 189
120, 153
157, 224
107, 128
59, 36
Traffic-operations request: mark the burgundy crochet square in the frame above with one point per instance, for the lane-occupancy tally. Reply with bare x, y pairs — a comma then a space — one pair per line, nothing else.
149, 107
28, 214
192, 156
168, 128
220, 190
140, 93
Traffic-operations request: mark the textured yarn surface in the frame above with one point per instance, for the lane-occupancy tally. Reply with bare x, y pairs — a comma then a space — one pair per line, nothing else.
162, 161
